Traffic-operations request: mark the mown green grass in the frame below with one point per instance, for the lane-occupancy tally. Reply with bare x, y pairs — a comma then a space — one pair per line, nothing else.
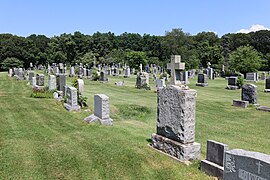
39, 139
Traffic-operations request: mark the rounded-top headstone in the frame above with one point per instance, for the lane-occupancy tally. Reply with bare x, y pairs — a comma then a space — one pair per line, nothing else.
250, 93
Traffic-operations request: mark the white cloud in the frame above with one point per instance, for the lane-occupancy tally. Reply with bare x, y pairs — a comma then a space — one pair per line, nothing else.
253, 28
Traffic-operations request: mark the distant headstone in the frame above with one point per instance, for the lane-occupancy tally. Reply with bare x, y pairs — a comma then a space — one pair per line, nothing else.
60, 82
52, 82
103, 77
232, 83
80, 86
160, 84
250, 93
127, 72
101, 110
176, 66
202, 80
34, 81
176, 123
240, 103
142, 80
267, 85
246, 165
72, 97
10, 73
213, 165
31, 75
251, 77
72, 71
40, 79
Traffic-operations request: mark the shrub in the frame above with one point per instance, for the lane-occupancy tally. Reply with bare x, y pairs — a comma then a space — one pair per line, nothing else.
42, 92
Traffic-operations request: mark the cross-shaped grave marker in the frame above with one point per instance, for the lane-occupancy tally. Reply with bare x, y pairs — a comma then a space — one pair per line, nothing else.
175, 66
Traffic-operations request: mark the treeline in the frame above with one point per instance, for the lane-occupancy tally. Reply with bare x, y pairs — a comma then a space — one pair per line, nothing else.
130, 48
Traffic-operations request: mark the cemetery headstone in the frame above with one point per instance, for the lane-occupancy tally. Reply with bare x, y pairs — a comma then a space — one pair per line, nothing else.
246, 165
176, 123
31, 75
175, 66
72, 97
252, 77
232, 83
80, 86
267, 85
101, 110
263, 76
250, 93
52, 82
160, 84
40, 79
213, 165
34, 81
202, 80
103, 77
60, 82
127, 72
142, 81
72, 71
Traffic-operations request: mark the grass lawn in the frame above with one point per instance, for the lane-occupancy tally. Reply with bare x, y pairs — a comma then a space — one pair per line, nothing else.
39, 139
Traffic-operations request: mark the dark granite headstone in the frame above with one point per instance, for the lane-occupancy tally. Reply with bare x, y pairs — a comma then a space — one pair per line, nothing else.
232, 81
250, 93
246, 165
60, 82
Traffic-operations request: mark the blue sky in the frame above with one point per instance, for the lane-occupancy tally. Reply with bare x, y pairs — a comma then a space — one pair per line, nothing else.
54, 17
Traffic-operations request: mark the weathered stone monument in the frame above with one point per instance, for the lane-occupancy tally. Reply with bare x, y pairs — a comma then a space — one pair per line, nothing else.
176, 66
251, 77
246, 165
103, 77
160, 84
127, 72
31, 75
176, 123
52, 82
263, 76
202, 80
101, 110
34, 81
72, 97
213, 165
142, 80
250, 93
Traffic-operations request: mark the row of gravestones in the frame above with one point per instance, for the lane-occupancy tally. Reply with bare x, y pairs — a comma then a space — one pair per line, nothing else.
176, 137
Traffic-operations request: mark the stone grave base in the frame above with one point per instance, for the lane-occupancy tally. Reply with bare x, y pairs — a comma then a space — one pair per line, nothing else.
93, 118
267, 90
202, 84
38, 87
183, 152
240, 103
72, 108
212, 169
263, 108
126, 76
232, 87
251, 81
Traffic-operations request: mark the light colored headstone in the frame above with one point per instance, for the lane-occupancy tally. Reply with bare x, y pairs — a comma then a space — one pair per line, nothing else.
101, 110
251, 77
176, 123
34, 81
40, 79
160, 84
246, 165
175, 66
72, 71
81, 86
52, 82
72, 97
60, 82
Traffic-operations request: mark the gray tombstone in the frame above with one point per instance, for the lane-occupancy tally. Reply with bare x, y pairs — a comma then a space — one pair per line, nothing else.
246, 165
127, 72
34, 81
176, 123
80, 86
31, 75
176, 66
72, 99
251, 77
232, 83
202, 80
142, 80
60, 82
160, 84
40, 79
250, 93
72, 71
101, 110
213, 165
103, 77
52, 82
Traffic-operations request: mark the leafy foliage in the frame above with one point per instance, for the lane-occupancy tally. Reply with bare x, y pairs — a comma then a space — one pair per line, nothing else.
245, 59
11, 63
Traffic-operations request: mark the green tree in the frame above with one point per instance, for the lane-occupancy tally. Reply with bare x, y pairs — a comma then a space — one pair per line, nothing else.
245, 59
11, 63
135, 58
